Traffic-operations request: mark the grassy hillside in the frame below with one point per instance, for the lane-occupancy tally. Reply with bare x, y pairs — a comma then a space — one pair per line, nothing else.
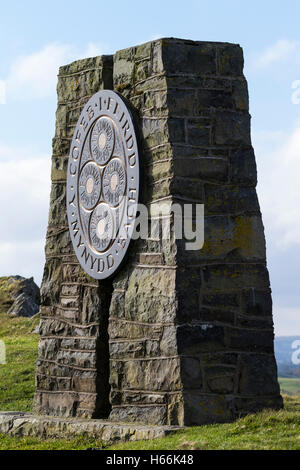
290, 386
266, 430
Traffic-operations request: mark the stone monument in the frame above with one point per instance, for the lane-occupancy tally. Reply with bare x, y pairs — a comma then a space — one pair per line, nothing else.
173, 336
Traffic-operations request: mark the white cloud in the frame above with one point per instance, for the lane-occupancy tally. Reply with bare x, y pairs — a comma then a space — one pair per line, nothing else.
23, 259
24, 202
286, 320
34, 76
278, 51
92, 50
279, 188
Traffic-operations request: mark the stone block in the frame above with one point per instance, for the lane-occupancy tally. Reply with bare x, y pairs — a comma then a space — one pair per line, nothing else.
264, 368
231, 128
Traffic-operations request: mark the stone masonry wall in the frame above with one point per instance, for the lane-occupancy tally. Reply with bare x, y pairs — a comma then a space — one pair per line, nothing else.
190, 333
73, 345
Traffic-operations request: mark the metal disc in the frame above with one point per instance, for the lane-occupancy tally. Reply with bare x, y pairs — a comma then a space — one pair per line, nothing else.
103, 184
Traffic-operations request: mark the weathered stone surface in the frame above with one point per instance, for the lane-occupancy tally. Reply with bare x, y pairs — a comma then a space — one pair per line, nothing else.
25, 424
19, 297
177, 336
73, 353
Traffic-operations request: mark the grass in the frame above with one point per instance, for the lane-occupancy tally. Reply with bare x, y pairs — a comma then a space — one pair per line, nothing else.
268, 430
265, 430
17, 375
290, 386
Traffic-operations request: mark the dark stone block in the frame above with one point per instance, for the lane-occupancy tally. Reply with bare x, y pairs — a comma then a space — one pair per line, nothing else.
206, 409
198, 132
182, 102
230, 59
187, 187
256, 302
207, 99
216, 315
155, 415
219, 358
246, 405
204, 168
191, 373
176, 130
231, 128
221, 277
243, 167
259, 341
250, 322
220, 379
223, 300
235, 200
258, 375
189, 57
188, 280
195, 338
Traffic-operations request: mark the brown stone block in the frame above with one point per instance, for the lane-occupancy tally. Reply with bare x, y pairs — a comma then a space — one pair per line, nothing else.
203, 168
195, 338
247, 405
57, 212
189, 57
59, 168
230, 59
151, 414
204, 409
230, 200
248, 340
159, 374
264, 368
223, 277
61, 147
231, 128
150, 296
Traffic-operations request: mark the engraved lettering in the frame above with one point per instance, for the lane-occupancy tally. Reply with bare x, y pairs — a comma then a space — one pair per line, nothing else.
90, 113
84, 124
75, 153
80, 242
71, 203
101, 265
75, 227
110, 261
132, 160
78, 136
73, 171
129, 143
126, 128
85, 254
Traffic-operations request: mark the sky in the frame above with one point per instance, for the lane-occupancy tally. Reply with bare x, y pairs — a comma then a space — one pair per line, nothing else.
37, 37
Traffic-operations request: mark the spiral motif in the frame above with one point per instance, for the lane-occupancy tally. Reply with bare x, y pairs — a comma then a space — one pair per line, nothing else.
101, 227
114, 182
89, 186
102, 140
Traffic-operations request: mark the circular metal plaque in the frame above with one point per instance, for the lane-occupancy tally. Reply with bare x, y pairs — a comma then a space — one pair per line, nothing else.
103, 184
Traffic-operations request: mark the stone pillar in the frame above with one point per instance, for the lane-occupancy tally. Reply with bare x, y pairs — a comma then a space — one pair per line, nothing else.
73, 347
190, 332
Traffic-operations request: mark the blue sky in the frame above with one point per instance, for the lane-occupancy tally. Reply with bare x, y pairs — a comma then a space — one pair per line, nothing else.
37, 37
